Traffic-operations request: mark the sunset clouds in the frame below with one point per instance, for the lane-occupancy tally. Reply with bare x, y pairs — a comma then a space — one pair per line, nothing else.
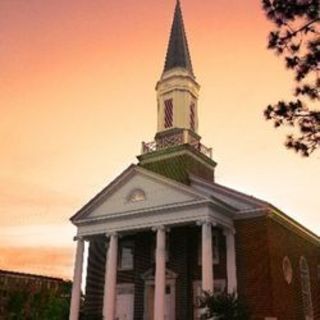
39, 260
77, 97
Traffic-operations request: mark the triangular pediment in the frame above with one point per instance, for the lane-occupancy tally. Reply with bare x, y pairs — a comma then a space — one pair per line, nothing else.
137, 189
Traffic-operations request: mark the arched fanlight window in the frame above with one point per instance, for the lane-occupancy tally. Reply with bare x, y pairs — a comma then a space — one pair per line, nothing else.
306, 289
136, 195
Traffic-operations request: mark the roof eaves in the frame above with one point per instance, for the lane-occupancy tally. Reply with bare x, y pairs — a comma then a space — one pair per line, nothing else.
92, 202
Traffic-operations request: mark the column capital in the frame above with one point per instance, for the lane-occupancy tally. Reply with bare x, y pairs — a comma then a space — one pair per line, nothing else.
78, 238
229, 230
112, 234
161, 228
206, 221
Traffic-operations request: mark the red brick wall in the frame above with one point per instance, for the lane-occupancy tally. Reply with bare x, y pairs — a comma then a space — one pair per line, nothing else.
26, 286
261, 245
253, 273
287, 297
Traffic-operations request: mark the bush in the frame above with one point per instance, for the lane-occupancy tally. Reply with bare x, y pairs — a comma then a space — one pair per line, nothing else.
222, 307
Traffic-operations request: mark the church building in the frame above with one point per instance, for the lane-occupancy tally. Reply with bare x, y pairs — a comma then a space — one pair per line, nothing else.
164, 229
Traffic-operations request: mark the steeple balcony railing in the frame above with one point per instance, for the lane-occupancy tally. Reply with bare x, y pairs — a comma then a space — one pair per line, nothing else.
174, 141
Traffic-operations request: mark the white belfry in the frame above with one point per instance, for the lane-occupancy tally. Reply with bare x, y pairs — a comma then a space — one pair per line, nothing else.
207, 260
178, 90
110, 287
231, 260
160, 277
77, 277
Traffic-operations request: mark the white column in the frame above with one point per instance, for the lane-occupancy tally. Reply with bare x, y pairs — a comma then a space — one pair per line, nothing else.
185, 136
160, 279
77, 277
231, 260
110, 285
207, 260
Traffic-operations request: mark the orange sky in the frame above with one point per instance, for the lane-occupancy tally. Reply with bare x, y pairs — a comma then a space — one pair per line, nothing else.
77, 97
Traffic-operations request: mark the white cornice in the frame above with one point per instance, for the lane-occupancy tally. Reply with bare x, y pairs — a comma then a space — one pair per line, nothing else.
153, 210
148, 220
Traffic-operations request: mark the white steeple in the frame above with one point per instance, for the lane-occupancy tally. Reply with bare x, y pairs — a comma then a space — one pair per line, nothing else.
177, 151
177, 90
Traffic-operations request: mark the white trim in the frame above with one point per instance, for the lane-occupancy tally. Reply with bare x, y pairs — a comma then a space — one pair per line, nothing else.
141, 211
83, 213
149, 220
253, 214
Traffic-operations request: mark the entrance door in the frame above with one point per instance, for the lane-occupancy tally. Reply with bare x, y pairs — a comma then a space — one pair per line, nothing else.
149, 299
125, 302
170, 300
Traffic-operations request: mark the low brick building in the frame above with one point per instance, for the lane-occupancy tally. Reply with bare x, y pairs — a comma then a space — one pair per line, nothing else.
14, 284
165, 230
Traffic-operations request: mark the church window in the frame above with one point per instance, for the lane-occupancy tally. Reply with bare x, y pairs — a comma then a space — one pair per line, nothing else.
126, 255
136, 195
192, 117
287, 269
306, 289
124, 301
168, 113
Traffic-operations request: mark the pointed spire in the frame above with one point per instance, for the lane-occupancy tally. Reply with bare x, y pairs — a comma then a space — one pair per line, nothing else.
178, 52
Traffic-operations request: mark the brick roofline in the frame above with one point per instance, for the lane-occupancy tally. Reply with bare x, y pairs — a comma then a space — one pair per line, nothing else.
271, 210
30, 275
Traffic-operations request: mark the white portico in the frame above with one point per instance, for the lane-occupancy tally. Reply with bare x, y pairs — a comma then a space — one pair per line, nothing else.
138, 200
161, 231
164, 231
